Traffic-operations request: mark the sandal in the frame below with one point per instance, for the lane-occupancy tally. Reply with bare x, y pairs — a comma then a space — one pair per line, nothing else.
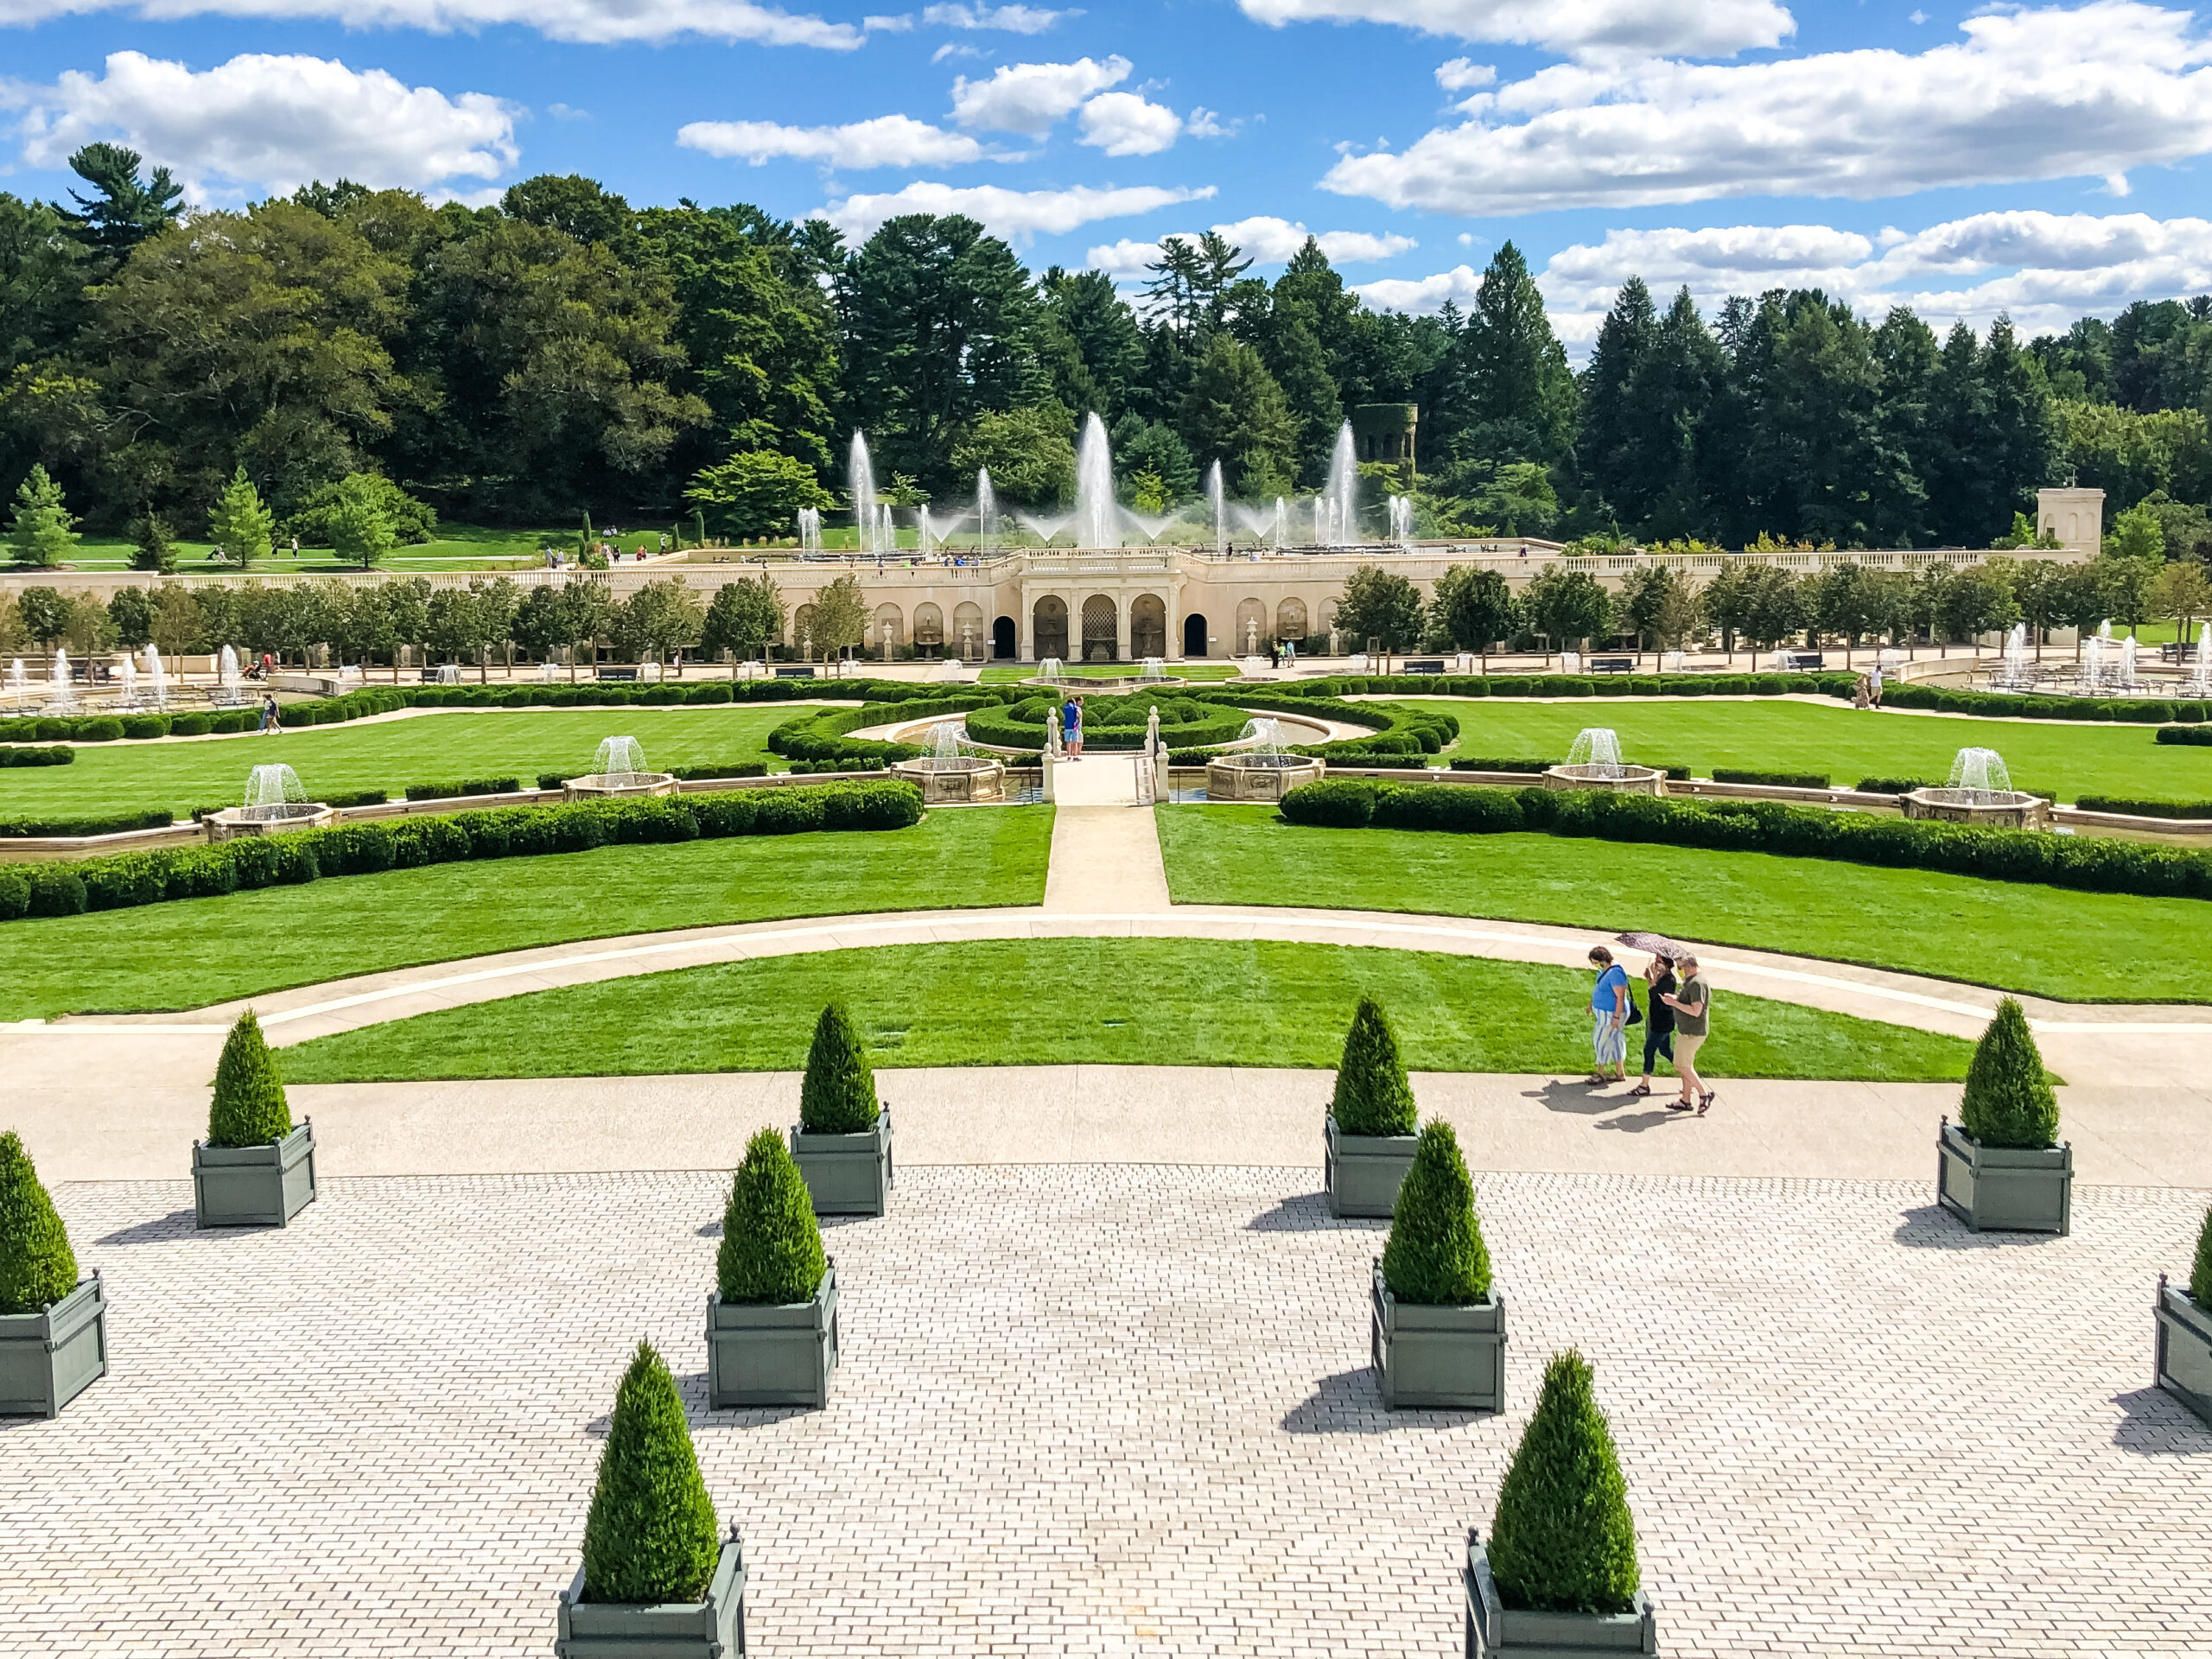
1596, 1080
1678, 1106
1706, 1100
1641, 1091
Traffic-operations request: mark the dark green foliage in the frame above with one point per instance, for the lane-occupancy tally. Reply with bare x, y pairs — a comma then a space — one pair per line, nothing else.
2132, 808
248, 1108
1372, 1096
772, 1247
1491, 763
1889, 785
1562, 1539
651, 1536
2008, 1101
467, 786
37, 1266
108, 823
1782, 779
1338, 802
838, 1096
60, 755
1435, 1254
2199, 1276
2199, 735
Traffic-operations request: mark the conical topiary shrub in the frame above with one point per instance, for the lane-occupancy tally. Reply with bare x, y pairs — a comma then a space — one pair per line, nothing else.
2200, 1277
838, 1097
772, 1247
1373, 1097
652, 1535
1436, 1254
37, 1266
248, 1108
1562, 1539
2008, 1102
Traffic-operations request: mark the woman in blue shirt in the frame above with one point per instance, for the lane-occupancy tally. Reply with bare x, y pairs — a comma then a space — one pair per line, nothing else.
1609, 1006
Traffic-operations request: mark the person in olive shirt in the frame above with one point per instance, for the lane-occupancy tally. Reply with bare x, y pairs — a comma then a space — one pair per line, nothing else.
1659, 1029
1692, 1003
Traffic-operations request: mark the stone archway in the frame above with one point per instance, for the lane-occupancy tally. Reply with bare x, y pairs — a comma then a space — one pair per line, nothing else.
1100, 644
803, 631
1251, 635
1005, 643
1194, 635
889, 625
929, 630
1147, 627
1049, 622
1290, 620
968, 635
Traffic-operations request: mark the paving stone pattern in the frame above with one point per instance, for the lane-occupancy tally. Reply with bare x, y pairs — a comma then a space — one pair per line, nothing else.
1115, 1409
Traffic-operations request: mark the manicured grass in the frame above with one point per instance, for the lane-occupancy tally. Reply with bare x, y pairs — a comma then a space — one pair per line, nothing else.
2045, 941
456, 547
1251, 1003
197, 951
1846, 743
425, 747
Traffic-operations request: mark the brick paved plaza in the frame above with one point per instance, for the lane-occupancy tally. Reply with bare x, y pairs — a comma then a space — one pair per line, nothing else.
1100, 1409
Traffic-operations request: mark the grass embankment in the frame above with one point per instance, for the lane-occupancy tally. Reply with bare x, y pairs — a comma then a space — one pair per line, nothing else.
197, 951
2043, 941
456, 547
426, 746
1253, 1003
1846, 743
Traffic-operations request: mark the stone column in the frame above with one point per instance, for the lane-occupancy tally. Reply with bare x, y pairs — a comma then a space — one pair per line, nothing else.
1025, 627
1171, 598
1121, 624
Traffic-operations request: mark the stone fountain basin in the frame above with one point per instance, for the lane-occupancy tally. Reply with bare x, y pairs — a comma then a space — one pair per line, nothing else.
233, 821
1991, 808
1621, 781
618, 786
1260, 777
953, 782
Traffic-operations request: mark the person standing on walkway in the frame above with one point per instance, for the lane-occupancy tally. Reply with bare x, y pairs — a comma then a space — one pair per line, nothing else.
1078, 706
1692, 1003
1659, 1030
1071, 728
1608, 1005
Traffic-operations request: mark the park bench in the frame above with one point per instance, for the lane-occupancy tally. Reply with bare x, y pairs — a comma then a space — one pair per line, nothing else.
617, 673
1424, 665
794, 673
1612, 664
1802, 662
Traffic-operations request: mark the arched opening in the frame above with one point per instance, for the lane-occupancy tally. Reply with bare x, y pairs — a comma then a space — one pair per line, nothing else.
1003, 645
1147, 627
1290, 620
803, 631
967, 632
1194, 635
1099, 642
1251, 636
929, 630
887, 633
1049, 626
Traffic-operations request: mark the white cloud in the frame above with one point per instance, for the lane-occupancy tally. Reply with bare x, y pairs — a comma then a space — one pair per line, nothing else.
900, 24
1123, 124
592, 22
1459, 75
886, 141
1016, 20
1028, 98
1007, 213
1203, 122
951, 49
2043, 94
1694, 28
1425, 295
270, 124
1268, 240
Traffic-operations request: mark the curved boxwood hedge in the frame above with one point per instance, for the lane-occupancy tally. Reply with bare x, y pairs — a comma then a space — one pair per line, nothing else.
131, 879
106, 823
2147, 869
60, 755
1110, 722
819, 734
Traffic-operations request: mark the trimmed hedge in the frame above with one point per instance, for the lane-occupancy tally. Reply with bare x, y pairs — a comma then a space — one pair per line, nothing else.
2090, 865
744, 769
2199, 1276
771, 1245
125, 880
1373, 1096
1889, 785
651, 1536
1493, 763
2124, 711
2143, 809
249, 1108
2201, 736
837, 1094
1562, 1538
1780, 779
37, 1266
467, 786
819, 734
2008, 1101
1435, 1255
1119, 721
107, 823
60, 755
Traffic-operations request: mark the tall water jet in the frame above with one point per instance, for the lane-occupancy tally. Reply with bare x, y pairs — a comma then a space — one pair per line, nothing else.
1283, 523
226, 669
2200, 678
1402, 520
1321, 523
859, 479
62, 690
15, 681
1097, 523
2019, 673
1344, 487
926, 538
1981, 791
987, 512
810, 529
1214, 494
157, 677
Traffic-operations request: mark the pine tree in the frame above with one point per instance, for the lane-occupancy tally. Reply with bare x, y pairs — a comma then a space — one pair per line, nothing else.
1522, 393
1373, 1097
2008, 1101
360, 528
152, 547
651, 1536
37, 1266
248, 1108
2200, 1277
771, 1246
44, 530
1562, 1539
1435, 1254
838, 1095
239, 523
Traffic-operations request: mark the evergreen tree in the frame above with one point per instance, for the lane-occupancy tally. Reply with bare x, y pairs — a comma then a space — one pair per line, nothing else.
1521, 393
1093, 344
360, 530
123, 210
2008, 1101
1235, 413
1669, 398
838, 1094
239, 523
152, 545
248, 1108
1301, 368
771, 1246
37, 1266
2200, 1274
1608, 437
1373, 1094
651, 1536
1435, 1255
1906, 356
1562, 1539
43, 531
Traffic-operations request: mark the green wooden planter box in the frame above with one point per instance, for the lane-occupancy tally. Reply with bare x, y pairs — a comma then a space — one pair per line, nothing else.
1496, 1632
711, 1629
768, 1354
2005, 1189
846, 1174
254, 1186
1362, 1171
49, 1358
2185, 1348
1438, 1359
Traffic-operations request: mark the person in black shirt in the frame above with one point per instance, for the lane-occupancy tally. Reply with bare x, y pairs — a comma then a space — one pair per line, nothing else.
1659, 1027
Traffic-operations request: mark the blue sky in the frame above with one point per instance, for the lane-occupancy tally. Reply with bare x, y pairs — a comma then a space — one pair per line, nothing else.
2040, 160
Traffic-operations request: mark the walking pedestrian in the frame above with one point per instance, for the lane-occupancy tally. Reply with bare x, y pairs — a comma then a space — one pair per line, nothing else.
271, 721
1659, 1029
1609, 1008
1692, 1003
1874, 684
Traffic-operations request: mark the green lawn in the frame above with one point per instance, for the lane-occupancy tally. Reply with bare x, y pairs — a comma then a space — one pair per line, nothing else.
1259, 1003
196, 951
427, 747
2046, 941
1842, 741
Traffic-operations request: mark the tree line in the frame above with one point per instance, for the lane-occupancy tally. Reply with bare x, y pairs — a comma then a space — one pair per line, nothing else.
363, 361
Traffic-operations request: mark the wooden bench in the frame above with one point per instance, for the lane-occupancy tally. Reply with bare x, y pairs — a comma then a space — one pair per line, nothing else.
794, 673
1803, 662
1612, 664
1426, 665
617, 673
